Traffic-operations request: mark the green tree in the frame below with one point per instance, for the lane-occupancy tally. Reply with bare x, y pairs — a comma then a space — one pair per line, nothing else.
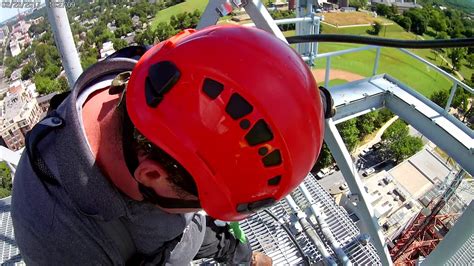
28, 71
5, 175
4, 192
119, 43
376, 28
185, 20
438, 21
8, 72
63, 84
395, 131
440, 98
461, 100
418, 19
6, 180
358, 3
470, 62
383, 115
399, 143
325, 158
122, 18
88, 60
281, 14
456, 55
122, 31
442, 36
383, 10
366, 123
104, 37
349, 133
45, 85
404, 22
163, 31
51, 71
46, 54
405, 147
146, 37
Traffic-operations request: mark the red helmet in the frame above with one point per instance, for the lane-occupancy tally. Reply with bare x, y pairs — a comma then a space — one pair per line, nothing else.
237, 108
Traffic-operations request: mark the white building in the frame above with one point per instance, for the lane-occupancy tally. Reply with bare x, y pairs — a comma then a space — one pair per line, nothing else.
107, 49
19, 112
15, 48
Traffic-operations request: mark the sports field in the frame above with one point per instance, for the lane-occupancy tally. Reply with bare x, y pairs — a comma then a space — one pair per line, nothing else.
187, 6
392, 61
352, 18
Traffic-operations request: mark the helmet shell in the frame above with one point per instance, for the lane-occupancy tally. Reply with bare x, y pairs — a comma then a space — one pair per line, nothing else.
243, 116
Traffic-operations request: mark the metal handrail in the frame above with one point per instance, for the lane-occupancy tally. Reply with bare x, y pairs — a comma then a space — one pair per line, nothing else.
456, 82
451, 77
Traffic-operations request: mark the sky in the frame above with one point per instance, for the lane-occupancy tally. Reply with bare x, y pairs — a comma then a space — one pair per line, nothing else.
6, 13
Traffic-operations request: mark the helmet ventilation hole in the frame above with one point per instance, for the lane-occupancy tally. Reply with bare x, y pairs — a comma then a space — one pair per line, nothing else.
274, 181
260, 133
272, 159
238, 107
212, 88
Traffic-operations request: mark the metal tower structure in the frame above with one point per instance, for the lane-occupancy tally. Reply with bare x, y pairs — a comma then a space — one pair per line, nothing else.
351, 100
357, 98
422, 235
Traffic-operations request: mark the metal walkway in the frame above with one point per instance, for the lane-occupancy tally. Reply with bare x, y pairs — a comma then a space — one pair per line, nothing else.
359, 97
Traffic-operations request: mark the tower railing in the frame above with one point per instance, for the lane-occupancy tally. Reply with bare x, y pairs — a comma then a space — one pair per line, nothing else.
306, 23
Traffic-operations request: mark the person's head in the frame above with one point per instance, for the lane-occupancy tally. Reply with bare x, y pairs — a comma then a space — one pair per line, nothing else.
229, 112
162, 180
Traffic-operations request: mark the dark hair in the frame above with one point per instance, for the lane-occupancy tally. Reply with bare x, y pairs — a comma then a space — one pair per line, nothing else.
177, 175
134, 142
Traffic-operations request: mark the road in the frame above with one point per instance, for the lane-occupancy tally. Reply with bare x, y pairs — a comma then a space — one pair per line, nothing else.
332, 182
377, 138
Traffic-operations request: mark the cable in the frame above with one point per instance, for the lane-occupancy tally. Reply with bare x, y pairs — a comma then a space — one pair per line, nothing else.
396, 43
293, 239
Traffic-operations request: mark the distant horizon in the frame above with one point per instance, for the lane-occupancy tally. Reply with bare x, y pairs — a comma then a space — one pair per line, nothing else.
8, 13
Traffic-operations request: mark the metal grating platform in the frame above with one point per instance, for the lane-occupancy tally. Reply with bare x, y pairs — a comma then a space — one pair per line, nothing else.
266, 235
10, 255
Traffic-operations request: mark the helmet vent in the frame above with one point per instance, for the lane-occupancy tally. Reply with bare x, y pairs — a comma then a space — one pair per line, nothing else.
272, 159
260, 133
274, 181
212, 88
244, 124
238, 107
162, 76
263, 151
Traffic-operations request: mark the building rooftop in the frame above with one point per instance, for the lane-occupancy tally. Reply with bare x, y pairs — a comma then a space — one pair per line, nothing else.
418, 174
393, 204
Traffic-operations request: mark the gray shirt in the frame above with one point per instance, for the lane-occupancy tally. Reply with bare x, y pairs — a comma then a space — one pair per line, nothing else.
64, 224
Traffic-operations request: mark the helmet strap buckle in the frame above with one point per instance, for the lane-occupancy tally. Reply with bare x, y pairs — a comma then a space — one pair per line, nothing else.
119, 86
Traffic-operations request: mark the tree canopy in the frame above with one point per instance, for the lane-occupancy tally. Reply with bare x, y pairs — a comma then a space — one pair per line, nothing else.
399, 143
349, 133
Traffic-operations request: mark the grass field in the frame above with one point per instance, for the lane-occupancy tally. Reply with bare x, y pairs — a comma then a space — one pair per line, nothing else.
399, 65
335, 82
393, 62
352, 18
397, 32
187, 6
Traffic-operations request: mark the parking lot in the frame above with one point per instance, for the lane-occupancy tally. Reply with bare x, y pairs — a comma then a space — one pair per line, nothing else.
375, 158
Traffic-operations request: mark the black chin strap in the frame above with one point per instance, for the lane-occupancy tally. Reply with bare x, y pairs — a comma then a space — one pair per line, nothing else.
170, 203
